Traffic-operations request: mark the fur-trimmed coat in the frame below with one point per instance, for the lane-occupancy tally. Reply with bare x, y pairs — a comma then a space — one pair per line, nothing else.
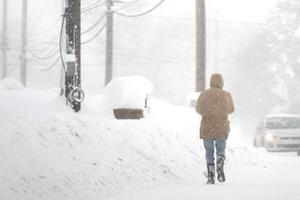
214, 105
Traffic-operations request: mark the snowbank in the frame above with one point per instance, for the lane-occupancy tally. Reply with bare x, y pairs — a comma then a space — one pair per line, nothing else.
30, 102
10, 84
66, 155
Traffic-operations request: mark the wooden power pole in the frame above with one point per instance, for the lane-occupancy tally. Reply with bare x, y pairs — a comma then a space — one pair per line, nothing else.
200, 46
109, 43
4, 40
73, 91
24, 43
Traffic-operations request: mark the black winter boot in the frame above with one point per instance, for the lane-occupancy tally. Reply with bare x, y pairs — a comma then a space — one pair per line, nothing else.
210, 174
220, 168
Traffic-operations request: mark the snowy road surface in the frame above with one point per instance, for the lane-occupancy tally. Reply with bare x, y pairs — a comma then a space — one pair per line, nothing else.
278, 180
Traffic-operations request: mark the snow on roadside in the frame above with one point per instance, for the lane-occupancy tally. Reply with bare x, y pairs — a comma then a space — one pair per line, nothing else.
66, 153
49, 152
10, 84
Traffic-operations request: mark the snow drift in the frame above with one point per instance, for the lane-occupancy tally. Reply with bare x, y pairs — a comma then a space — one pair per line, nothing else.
59, 154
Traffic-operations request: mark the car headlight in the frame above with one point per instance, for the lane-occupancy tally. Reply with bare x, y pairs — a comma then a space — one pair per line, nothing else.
269, 137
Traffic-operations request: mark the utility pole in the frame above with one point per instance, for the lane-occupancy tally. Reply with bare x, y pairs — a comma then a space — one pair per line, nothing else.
109, 43
24, 43
4, 40
216, 45
200, 46
73, 92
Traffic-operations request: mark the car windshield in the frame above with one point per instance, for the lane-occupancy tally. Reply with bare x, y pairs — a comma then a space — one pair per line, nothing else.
283, 122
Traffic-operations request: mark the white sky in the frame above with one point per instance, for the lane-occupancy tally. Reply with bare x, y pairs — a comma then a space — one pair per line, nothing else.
241, 10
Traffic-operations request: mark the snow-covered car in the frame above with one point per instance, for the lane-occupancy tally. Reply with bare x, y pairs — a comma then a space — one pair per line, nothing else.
127, 97
279, 133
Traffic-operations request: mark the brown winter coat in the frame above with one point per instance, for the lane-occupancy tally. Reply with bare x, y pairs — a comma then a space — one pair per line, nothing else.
214, 105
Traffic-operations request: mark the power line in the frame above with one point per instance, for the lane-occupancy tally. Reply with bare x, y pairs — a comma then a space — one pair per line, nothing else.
60, 41
94, 25
51, 55
140, 14
96, 6
93, 6
43, 44
100, 30
147, 63
129, 4
35, 17
210, 20
51, 65
49, 28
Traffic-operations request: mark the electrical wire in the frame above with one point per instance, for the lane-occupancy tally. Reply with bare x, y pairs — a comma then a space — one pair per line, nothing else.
60, 41
120, 8
92, 6
47, 30
34, 17
94, 25
140, 14
50, 66
43, 44
44, 57
100, 30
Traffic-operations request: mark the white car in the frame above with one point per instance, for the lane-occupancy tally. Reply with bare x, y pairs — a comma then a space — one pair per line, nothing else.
279, 133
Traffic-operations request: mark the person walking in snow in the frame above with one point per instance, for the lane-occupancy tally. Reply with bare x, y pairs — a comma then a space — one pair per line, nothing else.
214, 105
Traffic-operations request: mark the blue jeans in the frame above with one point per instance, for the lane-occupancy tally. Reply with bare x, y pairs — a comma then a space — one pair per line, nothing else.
209, 145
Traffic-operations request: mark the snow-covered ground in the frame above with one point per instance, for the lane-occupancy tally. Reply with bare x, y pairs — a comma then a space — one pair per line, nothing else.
278, 180
49, 152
